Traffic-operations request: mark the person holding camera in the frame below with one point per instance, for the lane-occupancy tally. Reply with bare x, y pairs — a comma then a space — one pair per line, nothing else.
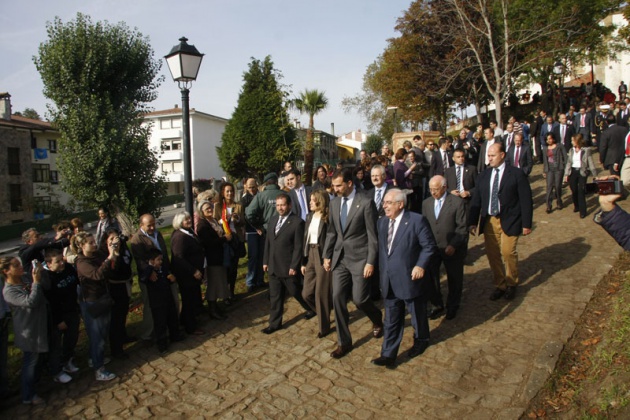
579, 165
93, 268
30, 320
613, 218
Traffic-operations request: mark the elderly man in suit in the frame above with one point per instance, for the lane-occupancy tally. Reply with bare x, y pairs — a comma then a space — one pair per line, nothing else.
300, 193
351, 252
446, 215
283, 259
405, 248
563, 132
377, 194
502, 206
519, 155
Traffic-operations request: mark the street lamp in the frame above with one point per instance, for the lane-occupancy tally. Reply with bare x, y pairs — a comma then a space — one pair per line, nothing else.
395, 109
183, 62
558, 70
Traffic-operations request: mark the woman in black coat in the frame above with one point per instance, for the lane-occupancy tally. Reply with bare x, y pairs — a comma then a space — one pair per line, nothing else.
187, 264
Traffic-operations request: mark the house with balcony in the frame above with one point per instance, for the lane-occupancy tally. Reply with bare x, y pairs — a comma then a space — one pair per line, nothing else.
166, 137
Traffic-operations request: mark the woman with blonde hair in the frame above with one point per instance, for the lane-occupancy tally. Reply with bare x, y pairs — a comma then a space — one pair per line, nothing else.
317, 291
213, 238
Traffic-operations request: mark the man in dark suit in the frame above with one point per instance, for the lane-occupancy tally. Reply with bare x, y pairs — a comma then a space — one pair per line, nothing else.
300, 193
442, 159
612, 147
489, 140
447, 217
622, 115
508, 135
534, 138
405, 248
351, 252
503, 207
283, 260
520, 155
563, 132
583, 124
377, 194
461, 178
548, 127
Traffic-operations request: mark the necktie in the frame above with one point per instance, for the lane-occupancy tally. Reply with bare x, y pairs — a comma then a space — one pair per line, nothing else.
390, 234
438, 207
494, 200
562, 132
583, 123
344, 214
303, 209
516, 156
509, 141
378, 199
459, 178
445, 161
279, 224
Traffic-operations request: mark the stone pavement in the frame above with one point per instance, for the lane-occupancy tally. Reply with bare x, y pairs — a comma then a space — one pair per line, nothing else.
487, 363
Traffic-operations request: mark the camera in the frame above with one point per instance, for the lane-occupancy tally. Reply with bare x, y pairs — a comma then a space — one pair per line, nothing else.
123, 238
604, 187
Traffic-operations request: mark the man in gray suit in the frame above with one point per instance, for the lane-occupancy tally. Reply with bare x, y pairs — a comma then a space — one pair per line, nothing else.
446, 215
350, 252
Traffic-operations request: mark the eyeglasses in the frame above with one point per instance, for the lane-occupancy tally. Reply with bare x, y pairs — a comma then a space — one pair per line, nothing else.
389, 203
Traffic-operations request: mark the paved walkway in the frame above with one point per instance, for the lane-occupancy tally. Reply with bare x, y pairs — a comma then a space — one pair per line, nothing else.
487, 363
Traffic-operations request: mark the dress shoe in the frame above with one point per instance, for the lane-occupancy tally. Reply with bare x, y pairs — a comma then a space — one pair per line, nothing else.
497, 294
548, 210
510, 292
270, 330
582, 216
377, 330
341, 351
436, 312
418, 348
388, 362
560, 207
322, 334
451, 313
131, 339
309, 314
575, 209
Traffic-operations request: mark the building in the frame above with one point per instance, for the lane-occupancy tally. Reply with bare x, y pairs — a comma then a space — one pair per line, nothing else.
167, 137
325, 147
28, 168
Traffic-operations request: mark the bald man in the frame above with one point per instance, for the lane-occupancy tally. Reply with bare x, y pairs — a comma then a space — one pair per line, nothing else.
146, 238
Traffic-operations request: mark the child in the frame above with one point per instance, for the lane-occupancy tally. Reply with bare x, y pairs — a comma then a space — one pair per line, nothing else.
60, 288
161, 300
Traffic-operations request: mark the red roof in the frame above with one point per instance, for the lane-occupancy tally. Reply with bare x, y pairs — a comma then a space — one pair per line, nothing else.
17, 121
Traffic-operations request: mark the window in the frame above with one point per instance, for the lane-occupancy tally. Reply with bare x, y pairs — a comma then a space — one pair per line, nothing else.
54, 177
171, 144
33, 142
14, 160
173, 166
15, 197
41, 172
164, 124
52, 146
177, 123
41, 205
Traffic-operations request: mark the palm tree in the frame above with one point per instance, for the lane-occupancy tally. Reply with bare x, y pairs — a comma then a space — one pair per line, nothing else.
310, 102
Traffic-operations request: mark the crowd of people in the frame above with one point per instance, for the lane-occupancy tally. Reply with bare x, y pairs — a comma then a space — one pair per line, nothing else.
380, 230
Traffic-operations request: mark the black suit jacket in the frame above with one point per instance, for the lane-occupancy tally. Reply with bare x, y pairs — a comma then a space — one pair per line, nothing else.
437, 163
187, 256
469, 178
612, 148
515, 200
284, 250
372, 194
568, 133
525, 160
321, 238
295, 202
623, 121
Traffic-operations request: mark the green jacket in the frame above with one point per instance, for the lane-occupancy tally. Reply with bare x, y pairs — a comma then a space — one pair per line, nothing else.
262, 207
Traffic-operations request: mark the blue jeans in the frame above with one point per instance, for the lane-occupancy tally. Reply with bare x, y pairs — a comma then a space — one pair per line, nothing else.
255, 249
97, 330
29, 374
4, 354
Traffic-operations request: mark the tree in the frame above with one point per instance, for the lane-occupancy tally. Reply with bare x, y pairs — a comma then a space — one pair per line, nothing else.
100, 78
29, 113
258, 137
373, 143
310, 102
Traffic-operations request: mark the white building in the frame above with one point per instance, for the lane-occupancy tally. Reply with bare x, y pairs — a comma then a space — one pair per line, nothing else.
167, 135
612, 72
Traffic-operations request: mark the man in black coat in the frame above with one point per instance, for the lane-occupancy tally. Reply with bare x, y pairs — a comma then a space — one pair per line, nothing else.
519, 155
283, 259
612, 147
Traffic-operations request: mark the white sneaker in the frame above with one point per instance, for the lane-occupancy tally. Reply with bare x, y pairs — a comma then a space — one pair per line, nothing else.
36, 400
70, 367
105, 361
103, 375
62, 377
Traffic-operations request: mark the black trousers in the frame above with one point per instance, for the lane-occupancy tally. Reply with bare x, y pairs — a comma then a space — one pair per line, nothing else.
191, 300
454, 275
278, 289
165, 323
576, 183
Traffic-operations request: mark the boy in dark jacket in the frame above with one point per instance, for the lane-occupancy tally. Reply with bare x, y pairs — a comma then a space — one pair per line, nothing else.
60, 289
161, 301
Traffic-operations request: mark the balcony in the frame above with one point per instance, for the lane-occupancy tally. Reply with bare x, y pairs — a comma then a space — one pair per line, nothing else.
174, 177
172, 155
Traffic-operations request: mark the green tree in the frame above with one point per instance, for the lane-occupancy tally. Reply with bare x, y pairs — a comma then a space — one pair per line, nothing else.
258, 137
29, 113
100, 78
373, 143
310, 102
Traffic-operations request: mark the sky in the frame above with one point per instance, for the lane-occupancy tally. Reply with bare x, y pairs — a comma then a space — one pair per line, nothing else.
316, 44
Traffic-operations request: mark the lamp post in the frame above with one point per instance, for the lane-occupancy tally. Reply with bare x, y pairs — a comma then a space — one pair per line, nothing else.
183, 62
558, 70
